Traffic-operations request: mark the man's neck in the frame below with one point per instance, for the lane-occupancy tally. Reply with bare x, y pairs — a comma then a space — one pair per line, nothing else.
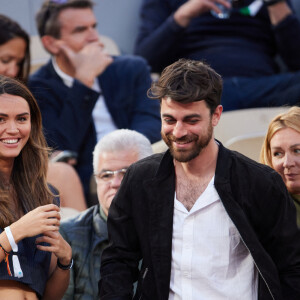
193, 177
64, 65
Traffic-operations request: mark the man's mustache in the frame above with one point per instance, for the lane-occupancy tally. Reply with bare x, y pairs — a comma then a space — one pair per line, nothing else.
183, 139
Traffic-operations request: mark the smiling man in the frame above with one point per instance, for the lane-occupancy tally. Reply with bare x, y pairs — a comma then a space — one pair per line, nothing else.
83, 92
208, 223
87, 232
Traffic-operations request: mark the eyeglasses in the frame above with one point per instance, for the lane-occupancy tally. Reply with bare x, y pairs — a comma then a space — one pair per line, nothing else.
108, 175
58, 1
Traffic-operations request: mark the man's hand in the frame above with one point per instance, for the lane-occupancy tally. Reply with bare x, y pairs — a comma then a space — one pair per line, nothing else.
278, 11
88, 63
66, 156
194, 8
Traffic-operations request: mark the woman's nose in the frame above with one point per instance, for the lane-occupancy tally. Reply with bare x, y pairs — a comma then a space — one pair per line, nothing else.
12, 69
12, 128
288, 161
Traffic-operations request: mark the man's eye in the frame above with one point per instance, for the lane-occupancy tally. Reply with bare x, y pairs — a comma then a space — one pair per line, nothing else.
169, 121
193, 121
106, 176
122, 173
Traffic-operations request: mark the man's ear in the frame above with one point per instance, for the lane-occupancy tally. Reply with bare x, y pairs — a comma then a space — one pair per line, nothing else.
217, 115
51, 44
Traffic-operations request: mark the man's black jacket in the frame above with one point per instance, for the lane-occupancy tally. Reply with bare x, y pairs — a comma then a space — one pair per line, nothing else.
140, 226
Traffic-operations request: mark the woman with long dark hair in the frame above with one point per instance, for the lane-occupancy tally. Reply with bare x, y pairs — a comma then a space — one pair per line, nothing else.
34, 258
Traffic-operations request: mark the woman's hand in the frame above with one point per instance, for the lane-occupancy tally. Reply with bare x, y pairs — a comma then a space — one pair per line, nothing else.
42, 219
57, 245
59, 279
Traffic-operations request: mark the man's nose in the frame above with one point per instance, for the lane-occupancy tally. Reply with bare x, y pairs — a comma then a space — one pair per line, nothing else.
116, 181
93, 35
179, 130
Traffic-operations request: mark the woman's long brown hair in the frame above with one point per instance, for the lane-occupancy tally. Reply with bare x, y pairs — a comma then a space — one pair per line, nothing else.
28, 178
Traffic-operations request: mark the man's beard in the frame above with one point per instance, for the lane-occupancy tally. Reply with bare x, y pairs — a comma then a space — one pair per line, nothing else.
186, 155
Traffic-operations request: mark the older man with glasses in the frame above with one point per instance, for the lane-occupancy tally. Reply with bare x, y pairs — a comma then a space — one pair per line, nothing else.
87, 232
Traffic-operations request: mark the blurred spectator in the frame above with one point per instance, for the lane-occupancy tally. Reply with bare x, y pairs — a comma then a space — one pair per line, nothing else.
281, 151
241, 48
14, 50
87, 232
35, 260
83, 92
66, 180
15, 63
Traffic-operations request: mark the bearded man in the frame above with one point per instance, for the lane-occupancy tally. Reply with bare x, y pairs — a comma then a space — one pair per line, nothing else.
207, 222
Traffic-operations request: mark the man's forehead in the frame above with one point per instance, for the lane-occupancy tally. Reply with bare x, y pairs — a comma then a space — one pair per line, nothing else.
169, 101
117, 159
168, 104
74, 17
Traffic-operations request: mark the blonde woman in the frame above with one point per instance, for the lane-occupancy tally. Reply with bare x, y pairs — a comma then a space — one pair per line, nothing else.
281, 151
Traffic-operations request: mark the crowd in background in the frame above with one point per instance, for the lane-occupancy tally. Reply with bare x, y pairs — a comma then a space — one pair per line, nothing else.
90, 115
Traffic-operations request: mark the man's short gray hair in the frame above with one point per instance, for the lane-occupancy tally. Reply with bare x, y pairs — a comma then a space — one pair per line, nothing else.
122, 140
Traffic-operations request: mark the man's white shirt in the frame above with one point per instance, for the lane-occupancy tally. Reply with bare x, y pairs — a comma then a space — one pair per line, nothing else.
103, 121
209, 258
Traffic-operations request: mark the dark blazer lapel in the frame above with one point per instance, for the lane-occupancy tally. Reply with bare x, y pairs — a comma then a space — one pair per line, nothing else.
105, 81
161, 206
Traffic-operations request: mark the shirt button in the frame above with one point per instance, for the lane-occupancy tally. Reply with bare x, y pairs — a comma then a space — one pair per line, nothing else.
186, 274
86, 98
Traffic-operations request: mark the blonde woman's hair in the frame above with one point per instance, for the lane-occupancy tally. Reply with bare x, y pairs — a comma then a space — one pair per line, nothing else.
289, 119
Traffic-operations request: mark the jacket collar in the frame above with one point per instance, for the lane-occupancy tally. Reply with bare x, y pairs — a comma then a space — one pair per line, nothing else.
67, 79
161, 209
161, 204
99, 224
166, 166
105, 80
224, 162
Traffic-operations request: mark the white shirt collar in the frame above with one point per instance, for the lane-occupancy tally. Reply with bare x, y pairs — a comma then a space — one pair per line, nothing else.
67, 79
209, 258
